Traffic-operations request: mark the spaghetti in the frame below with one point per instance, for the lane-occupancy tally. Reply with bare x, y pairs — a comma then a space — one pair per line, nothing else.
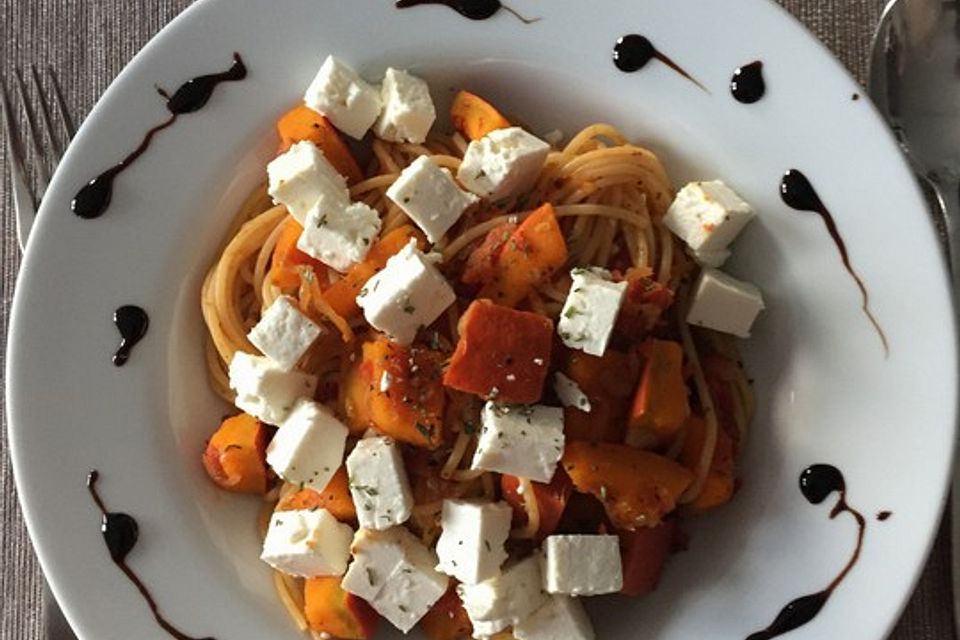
609, 197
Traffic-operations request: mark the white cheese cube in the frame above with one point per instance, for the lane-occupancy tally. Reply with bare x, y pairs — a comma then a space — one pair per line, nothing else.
590, 311
408, 294
346, 99
408, 111
339, 237
723, 303
562, 618
505, 600
284, 333
379, 484
428, 194
308, 448
710, 258
394, 572
522, 440
307, 543
266, 391
303, 176
708, 216
582, 565
570, 393
502, 163
470, 547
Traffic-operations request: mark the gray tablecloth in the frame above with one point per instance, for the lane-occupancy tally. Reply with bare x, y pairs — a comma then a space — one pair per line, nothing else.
88, 42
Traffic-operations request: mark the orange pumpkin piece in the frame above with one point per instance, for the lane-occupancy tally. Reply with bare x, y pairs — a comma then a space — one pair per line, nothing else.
286, 257
609, 382
502, 353
551, 501
411, 407
481, 264
474, 117
660, 407
342, 294
329, 609
235, 457
303, 123
535, 250
447, 619
720, 483
644, 302
335, 498
637, 488
643, 553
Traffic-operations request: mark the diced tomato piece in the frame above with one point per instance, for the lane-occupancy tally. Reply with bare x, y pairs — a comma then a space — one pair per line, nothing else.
502, 353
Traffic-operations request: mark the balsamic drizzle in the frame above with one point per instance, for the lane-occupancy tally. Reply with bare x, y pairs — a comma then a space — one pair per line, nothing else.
471, 9
883, 516
120, 533
747, 84
633, 51
132, 322
93, 199
797, 193
817, 482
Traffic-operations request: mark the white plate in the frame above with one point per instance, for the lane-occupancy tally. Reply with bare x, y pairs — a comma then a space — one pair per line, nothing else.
826, 393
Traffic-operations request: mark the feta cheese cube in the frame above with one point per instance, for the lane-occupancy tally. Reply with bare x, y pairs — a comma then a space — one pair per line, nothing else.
470, 547
505, 600
394, 572
590, 311
570, 393
307, 543
302, 177
284, 333
339, 237
502, 163
266, 391
409, 293
562, 618
708, 216
309, 445
710, 258
521, 440
379, 484
346, 99
582, 565
723, 303
428, 194
408, 111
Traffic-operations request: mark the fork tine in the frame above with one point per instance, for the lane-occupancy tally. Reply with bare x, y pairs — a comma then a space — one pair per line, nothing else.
45, 114
61, 104
23, 200
43, 173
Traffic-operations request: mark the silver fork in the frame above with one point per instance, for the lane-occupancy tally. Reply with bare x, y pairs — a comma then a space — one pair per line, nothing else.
48, 145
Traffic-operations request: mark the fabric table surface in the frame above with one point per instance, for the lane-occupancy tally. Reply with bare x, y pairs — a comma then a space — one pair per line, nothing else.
87, 43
